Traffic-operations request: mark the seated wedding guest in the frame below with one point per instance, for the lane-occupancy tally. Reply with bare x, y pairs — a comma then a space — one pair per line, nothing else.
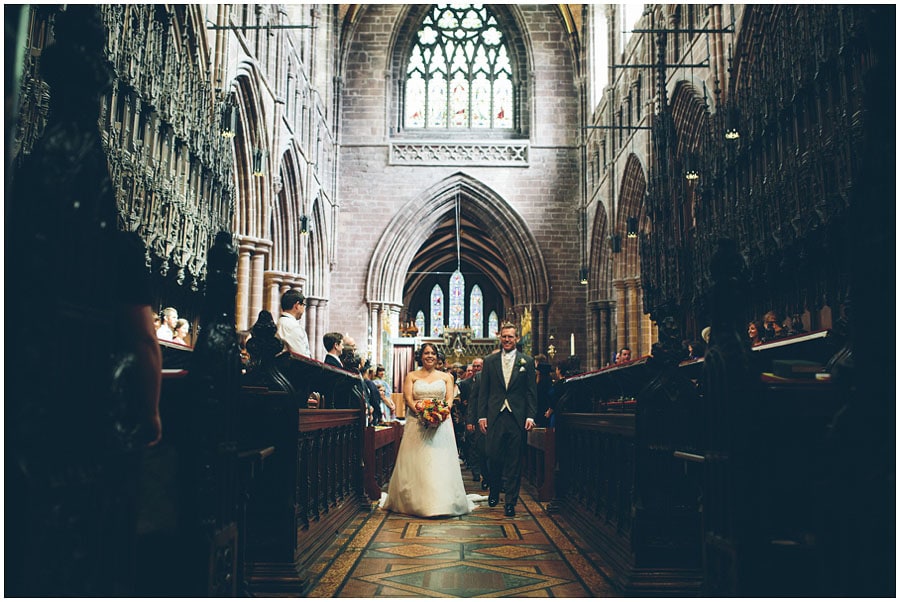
166, 332
290, 328
772, 326
182, 327
624, 355
754, 331
696, 350
334, 346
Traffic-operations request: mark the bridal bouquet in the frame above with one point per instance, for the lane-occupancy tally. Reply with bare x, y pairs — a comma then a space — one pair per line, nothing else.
434, 412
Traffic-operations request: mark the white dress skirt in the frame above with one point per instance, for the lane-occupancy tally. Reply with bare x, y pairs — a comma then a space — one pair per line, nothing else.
427, 480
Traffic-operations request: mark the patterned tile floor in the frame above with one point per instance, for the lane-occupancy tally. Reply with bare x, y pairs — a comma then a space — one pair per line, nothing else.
483, 554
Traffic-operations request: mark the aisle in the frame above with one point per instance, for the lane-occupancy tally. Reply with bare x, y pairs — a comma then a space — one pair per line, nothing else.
483, 554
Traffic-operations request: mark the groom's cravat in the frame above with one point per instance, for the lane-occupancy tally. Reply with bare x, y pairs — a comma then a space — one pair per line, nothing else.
508, 360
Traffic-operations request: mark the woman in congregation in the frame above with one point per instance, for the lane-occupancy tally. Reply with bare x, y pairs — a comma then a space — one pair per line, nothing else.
754, 331
182, 327
427, 480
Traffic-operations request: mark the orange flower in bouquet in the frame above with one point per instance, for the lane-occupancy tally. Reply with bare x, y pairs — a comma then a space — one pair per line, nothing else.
434, 412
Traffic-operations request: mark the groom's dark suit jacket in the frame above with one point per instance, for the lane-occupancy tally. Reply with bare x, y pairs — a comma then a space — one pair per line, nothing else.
521, 393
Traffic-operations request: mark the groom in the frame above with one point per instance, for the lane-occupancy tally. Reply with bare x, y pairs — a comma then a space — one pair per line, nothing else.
507, 403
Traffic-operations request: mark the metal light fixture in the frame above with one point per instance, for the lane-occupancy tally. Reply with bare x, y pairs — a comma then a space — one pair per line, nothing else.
229, 119
690, 168
259, 162
732, 131
584, 275
304, 225
615, 241
631, 230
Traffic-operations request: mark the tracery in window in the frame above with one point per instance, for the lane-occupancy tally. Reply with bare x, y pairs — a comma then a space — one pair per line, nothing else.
476, 312
457, 300
493, 325
437, 311
459, 75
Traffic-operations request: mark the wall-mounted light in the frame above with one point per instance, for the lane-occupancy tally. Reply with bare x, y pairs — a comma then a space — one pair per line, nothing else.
259, 162
615, 242
690, 168
229, 119
584, 275
631, 230
732, 123
304, 225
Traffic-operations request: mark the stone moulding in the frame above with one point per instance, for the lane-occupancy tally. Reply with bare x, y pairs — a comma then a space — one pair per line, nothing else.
486, 154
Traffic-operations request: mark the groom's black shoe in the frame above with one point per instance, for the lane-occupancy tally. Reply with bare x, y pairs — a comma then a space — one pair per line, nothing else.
484, 484
510, 510
493, 499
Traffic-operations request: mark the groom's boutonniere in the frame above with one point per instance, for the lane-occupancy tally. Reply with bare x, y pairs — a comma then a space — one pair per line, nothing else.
522, 364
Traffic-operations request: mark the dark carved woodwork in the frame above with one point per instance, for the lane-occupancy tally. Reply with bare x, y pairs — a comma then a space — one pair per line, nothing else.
620, 480
191, 495
314, 480
170, 169
785, 190
540, 463
381, 446
73, 436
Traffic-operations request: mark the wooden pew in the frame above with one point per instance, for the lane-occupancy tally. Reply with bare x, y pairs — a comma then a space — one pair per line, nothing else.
325, 466
619, 482
189, 497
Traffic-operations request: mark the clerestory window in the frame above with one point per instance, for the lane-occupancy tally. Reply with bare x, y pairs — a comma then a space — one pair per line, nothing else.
459, 75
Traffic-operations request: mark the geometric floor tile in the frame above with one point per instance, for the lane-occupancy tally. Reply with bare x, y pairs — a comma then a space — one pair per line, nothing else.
464, 579
460, 531
481, 554
414, 551
511, 551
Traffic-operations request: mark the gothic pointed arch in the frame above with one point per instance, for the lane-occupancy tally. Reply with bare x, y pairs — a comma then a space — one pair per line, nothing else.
286, 213
412, 225
600, 257
632, 191
251, 193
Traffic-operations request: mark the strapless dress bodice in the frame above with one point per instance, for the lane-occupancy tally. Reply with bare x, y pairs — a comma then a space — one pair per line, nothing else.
426, 390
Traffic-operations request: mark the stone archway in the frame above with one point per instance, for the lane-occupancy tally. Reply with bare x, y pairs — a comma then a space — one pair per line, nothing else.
416, 220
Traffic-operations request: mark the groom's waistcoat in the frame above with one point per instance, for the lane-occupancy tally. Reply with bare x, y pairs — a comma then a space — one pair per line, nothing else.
520, 391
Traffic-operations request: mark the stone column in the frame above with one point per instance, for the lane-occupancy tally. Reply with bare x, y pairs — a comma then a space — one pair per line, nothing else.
242, 303
257, 270
621, 315
634, 319
321, 322
272, 287
604, 331
315, 339
593, 330
374, 332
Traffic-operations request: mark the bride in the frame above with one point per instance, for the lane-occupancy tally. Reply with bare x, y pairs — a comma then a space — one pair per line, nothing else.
427, 480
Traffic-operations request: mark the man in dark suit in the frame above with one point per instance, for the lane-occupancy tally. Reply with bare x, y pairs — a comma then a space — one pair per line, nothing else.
468, 394
333, 342
507, 404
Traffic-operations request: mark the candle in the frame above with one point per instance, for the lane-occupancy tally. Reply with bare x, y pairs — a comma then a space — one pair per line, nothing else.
572, 346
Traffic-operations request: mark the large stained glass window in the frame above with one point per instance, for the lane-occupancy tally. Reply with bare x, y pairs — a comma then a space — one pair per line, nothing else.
459, 75
476, 312
457, 300
493, 325
437, 311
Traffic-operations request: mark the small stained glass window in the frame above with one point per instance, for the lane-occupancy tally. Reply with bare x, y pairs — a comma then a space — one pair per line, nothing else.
457, 300
437, 311
420, 322
459, 75
493, 325
476, 312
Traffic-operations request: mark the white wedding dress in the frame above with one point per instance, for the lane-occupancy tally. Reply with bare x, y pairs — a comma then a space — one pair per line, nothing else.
427, 480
